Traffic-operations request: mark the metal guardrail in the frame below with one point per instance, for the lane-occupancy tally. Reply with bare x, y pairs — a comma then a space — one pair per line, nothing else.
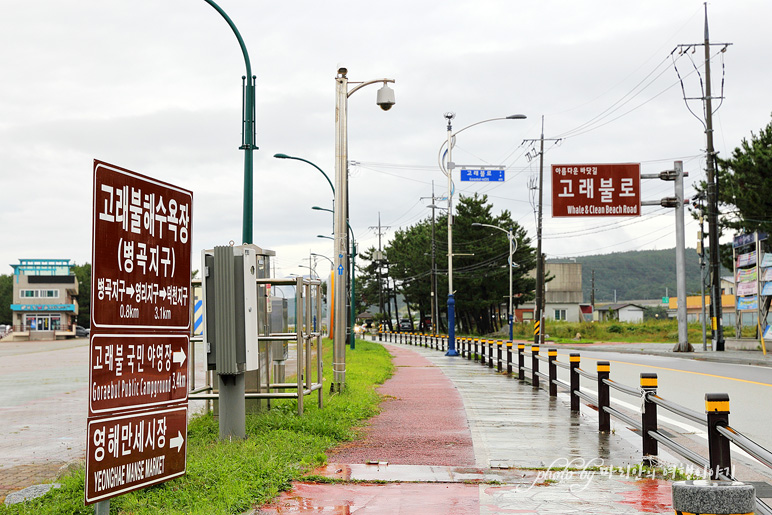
716, 417
309, 375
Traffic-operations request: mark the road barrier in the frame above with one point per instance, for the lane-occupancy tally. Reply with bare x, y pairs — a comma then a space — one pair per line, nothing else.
489, 353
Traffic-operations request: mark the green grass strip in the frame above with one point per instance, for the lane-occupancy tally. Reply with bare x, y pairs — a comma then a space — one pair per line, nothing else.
232, 477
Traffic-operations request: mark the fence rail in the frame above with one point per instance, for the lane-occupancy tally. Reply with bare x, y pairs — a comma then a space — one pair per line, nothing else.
716, 417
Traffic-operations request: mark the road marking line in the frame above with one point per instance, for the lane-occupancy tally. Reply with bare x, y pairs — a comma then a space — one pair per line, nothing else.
679, 370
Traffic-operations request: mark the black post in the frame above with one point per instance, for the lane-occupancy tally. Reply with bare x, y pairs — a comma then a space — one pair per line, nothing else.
476, 351
521, 361
509, 358
573, 360
499, 351
491, 343
604, 399
717, 409
649, 418
535, 366
552, 355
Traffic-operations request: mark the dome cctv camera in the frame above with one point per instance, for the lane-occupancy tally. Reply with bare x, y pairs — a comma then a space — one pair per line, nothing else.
385, 98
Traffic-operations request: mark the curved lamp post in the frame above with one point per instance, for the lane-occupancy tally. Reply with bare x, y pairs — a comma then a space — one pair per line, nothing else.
247, 129
323, 256
285, 156
447, 169
385, 99
510, 261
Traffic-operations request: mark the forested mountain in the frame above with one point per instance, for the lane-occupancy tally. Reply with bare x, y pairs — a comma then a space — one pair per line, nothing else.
637, 275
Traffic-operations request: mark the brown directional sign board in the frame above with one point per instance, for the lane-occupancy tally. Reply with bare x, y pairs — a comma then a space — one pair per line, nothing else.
141, 252
140, 332
137, 371
596, 190
135, 450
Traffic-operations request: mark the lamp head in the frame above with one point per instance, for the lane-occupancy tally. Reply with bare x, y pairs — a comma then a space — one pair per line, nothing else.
281, 156
385, 98
516, 117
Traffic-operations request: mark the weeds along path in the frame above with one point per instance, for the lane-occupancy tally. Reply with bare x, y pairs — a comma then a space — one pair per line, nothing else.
422, 420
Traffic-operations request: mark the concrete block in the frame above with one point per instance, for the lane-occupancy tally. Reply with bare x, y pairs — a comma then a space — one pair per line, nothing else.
714, 496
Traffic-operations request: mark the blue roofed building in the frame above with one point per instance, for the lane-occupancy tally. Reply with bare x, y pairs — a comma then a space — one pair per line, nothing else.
44, 305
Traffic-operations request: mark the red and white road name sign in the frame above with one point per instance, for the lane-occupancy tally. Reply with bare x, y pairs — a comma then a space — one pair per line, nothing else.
127, 452
141, 254
140, 332
596, 190
137, 371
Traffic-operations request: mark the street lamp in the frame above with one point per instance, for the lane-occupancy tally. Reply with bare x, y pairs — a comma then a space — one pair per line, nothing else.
510, 261
447, 169
313, 271
385, 99
247, 129
285, 156
323, 256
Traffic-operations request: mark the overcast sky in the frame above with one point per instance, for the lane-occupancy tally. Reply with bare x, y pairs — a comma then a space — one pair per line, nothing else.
155, 87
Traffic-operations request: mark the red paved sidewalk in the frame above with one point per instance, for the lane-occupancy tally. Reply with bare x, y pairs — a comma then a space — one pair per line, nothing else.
422, 421
423, 458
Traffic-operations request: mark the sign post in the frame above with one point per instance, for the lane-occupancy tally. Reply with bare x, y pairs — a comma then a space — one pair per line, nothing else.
139, 342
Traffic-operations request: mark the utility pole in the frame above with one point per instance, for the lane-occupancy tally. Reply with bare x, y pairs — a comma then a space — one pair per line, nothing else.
538, 333
434, 304
379, 260
592, 292
701, 252
712, 193
718, 336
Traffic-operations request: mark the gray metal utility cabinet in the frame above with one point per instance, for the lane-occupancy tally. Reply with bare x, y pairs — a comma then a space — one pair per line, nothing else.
233, 303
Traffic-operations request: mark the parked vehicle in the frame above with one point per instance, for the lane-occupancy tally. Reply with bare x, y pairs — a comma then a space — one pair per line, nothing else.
405, 324
81, 332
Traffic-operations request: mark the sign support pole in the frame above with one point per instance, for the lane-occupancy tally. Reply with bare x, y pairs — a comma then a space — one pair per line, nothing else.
232, 409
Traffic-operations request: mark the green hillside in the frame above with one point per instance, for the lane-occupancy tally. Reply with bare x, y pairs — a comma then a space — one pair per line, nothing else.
636, 275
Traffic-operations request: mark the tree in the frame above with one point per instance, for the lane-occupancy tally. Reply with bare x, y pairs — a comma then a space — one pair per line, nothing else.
6, 298
480, 274
745, 188
83, 275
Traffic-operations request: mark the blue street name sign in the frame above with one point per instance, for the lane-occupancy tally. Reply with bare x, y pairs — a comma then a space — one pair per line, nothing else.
482, 175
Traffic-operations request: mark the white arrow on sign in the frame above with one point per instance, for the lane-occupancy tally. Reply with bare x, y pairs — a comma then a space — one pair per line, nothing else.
162, 294
178, 357
130, 291
177, 442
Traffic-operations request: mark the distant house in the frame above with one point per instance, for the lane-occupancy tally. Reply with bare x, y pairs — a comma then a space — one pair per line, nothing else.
562, 296
44, 305
625, 312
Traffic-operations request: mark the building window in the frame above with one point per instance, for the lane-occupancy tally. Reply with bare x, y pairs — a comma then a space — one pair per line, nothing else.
43, 322
560, 314
34, 294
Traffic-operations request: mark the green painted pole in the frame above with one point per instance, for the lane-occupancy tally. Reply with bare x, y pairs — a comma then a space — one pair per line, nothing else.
248, 129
